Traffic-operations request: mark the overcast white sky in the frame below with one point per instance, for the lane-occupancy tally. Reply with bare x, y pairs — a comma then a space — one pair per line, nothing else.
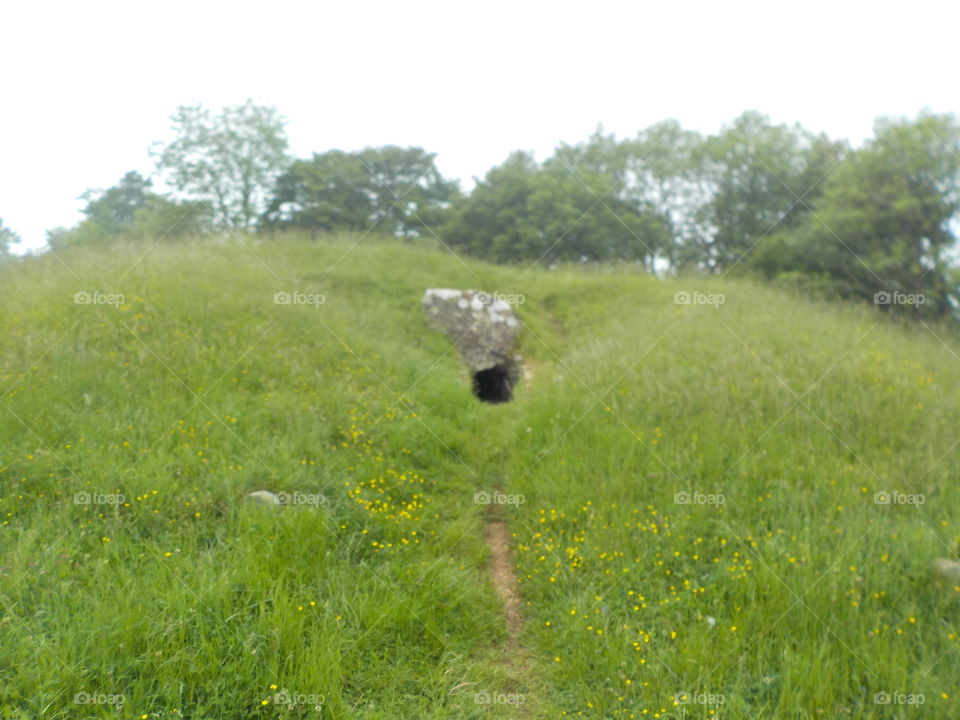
87, 87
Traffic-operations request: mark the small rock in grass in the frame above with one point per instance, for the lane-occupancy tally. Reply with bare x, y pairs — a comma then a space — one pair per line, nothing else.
947, 571
263, 497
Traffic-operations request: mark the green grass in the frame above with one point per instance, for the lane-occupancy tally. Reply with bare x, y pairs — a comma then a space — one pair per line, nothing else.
797, 597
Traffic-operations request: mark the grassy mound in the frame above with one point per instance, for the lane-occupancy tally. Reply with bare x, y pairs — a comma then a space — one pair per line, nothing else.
720, 508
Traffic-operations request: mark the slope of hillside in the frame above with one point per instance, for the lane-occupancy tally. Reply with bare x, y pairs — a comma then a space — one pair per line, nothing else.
718, 510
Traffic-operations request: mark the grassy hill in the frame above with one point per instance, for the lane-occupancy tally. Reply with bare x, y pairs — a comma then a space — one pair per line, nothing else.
699, 535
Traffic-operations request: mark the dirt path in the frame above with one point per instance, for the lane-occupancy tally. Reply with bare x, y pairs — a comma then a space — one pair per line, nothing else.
515, 661
504, 578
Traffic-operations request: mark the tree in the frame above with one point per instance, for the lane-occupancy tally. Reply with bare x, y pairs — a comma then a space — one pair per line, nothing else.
760, 178
323, 194
490, 221
112, 210
397, 190
663, 163
230, 161
130, 209
591, 207
7, 238
884, 223
576, 206
408, 190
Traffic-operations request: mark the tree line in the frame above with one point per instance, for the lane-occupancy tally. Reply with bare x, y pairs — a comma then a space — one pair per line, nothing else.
773, 200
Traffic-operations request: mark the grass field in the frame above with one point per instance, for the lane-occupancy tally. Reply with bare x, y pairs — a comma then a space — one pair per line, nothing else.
697, 495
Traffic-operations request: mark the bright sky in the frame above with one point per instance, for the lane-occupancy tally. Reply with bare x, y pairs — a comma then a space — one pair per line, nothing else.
87, 87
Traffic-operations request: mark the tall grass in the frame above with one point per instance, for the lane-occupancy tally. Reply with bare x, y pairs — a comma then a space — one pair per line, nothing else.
700, 533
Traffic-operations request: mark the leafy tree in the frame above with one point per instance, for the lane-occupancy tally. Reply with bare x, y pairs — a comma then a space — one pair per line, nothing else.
409, 191
397, 190
489, 222
760, 178
130, 209
323, 194
884, 223
592, 208
663, 162
112, 210
576, 206
7, 238
229, 161
60, 237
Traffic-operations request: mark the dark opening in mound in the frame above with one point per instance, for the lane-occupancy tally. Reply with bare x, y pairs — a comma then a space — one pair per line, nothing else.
493, 385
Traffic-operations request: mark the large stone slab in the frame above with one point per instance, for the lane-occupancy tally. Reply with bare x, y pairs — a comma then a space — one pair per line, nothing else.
484, 329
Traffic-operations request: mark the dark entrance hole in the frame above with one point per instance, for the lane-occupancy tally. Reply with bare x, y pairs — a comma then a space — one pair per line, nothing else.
493, 385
